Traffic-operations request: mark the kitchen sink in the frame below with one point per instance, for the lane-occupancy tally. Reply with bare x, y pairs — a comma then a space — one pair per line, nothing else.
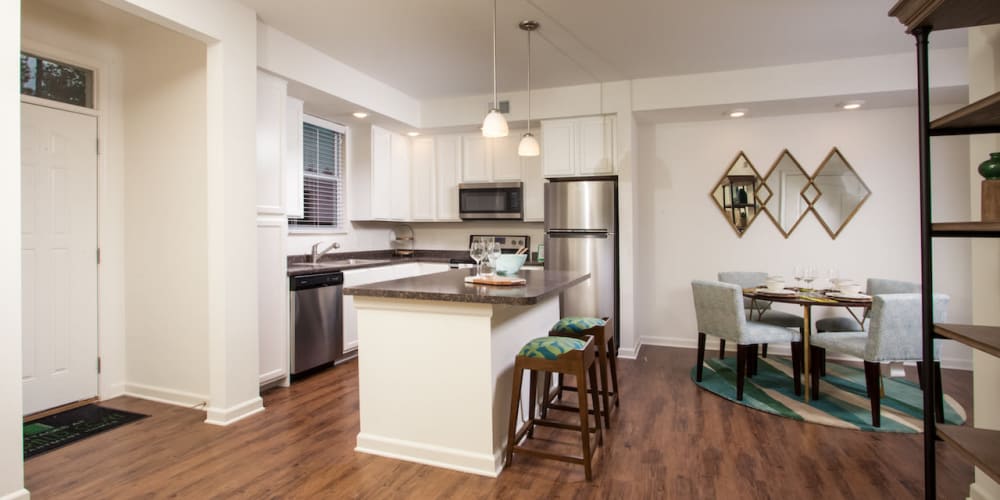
353, 262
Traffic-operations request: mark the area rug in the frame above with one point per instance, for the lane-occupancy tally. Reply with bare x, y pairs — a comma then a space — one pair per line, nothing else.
842, 403
54, 431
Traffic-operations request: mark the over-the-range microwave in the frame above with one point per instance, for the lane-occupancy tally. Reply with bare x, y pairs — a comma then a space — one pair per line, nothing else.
490, 200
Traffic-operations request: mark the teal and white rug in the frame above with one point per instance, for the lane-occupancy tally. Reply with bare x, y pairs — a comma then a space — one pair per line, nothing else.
842, 403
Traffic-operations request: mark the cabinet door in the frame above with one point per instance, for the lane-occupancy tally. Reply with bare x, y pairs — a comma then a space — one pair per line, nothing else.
558, 148
422, 181
593, 155
475, 159
506, 163
272, 298
353, 277
534, 189
381, 174
448, 165
292, 159
399, 205
270, 144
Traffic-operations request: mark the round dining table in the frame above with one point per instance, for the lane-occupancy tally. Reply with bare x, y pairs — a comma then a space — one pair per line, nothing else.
807, 299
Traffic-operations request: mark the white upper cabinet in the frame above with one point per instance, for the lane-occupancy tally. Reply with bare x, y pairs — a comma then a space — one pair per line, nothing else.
270, 144
381, 186
448, 167
475, 159
292, 161
399, 205
578, 146
422, 180
506, 163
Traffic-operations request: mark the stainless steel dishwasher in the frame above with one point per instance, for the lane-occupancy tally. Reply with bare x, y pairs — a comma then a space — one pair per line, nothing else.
316, 317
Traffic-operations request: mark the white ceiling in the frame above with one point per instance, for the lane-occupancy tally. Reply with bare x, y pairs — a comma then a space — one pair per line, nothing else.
441, 48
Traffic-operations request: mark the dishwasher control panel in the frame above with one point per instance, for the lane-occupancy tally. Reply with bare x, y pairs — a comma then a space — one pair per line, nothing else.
307, 281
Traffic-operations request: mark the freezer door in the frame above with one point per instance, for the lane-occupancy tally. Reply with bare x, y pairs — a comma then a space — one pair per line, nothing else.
580, 206
593, 253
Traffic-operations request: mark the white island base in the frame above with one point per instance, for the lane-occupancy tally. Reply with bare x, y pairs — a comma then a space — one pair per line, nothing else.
435, 377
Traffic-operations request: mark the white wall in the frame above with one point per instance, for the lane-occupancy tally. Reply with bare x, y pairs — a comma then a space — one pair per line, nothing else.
11, 462
684, 237
164, 216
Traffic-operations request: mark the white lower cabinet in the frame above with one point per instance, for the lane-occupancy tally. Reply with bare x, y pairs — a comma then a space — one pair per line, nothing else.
356, 277
272, 299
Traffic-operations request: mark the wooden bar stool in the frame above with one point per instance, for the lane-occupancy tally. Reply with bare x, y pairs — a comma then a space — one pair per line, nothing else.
555, 355
607, 353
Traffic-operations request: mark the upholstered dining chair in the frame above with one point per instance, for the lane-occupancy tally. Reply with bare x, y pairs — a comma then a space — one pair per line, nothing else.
875, 286
720, 313
894, 333
762, 308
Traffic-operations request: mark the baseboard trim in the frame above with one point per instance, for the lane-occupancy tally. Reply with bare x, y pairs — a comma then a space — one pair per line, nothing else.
233, 414
629, 352
17, 495
164, 395
488, 465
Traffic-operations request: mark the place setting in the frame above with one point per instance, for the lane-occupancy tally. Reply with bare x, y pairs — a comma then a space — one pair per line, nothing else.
502, 268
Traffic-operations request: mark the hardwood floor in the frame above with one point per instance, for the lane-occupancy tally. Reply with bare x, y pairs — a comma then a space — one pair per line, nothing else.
670, 439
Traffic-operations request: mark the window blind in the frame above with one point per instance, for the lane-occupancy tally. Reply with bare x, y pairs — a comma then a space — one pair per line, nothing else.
323, 158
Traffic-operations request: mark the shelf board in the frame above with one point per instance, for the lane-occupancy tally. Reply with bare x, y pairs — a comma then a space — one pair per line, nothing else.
981, 447
980, 117
945, 14
983, 338
966, 229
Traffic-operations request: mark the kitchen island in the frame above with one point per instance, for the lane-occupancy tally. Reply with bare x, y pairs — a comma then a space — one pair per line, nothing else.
435, 364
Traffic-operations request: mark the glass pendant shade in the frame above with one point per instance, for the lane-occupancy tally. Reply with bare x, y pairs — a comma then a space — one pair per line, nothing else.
495, 125
528, 145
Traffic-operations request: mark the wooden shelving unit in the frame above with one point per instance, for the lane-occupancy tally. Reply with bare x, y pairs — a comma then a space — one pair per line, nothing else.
981, 447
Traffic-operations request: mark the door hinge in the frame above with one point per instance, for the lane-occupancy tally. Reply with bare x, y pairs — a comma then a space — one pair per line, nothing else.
98, 365
98, 255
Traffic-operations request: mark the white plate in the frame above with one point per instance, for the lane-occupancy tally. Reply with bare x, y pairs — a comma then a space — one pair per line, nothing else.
783, 292
848, 296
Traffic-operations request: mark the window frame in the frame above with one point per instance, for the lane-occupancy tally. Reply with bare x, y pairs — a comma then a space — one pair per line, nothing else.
41, 53
342, 226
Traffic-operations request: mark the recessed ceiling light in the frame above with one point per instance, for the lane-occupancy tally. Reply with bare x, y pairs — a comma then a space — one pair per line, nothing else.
737, 113
413, 134
360, 114
851, 104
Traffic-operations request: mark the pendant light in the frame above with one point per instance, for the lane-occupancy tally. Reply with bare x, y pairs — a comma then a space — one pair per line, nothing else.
528, 145
495, 125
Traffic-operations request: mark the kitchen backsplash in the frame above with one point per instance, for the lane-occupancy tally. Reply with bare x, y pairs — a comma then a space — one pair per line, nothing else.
366, 236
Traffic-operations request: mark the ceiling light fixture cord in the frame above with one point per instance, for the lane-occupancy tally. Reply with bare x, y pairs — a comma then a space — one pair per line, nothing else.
529, 81
496, 105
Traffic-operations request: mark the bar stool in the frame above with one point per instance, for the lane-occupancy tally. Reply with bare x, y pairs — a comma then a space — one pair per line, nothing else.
582, 328
555, 355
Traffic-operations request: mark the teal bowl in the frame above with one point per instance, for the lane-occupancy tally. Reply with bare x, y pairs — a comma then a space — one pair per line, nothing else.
508, 264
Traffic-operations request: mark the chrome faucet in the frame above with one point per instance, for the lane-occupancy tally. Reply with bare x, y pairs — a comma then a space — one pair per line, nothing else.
316, 254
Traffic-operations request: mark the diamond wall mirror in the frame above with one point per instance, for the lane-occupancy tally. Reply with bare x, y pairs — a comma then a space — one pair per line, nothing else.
736, 194
841, 192
782, 193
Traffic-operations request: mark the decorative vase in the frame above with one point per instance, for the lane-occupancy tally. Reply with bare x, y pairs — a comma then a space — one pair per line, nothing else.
990, 169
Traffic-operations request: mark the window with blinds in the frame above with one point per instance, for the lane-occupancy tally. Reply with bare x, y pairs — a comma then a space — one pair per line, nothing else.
323, 158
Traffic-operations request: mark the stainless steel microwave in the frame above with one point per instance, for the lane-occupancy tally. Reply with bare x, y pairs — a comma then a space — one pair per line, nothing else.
491, 200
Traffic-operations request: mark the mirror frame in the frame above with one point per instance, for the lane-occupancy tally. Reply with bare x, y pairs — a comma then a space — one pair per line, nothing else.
833, 234
725, 213
763, 183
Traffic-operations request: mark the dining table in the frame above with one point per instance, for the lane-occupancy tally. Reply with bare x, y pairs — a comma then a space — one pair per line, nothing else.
807, 298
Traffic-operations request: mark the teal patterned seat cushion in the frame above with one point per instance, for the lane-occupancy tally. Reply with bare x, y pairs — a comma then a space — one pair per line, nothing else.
576, 325
550, 347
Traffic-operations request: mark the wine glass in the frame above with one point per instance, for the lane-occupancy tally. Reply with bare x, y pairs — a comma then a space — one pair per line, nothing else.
493, 254
797, 273
477, 250
808, 275
832, 276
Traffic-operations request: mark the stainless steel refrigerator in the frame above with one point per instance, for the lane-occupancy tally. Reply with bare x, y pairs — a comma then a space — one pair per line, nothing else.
581, 233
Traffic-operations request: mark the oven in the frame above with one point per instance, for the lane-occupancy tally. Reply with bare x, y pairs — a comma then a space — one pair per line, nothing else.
493, 200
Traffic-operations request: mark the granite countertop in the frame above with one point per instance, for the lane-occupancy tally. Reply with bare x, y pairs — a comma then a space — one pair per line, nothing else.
450, 287
299, 265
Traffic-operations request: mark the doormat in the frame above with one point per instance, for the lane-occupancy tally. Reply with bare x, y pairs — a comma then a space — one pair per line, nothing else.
843, 400
55, 431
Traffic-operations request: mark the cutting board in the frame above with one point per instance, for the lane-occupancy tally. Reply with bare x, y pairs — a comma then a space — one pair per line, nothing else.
496, 280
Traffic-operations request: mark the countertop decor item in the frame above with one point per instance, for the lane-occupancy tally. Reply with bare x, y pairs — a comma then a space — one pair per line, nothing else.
990, 169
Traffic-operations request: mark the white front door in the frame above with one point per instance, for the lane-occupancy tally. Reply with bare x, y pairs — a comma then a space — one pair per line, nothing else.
58, 256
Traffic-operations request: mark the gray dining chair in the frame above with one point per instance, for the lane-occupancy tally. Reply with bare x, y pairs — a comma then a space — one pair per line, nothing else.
720, 312
752, 279
875, 286
894, 333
